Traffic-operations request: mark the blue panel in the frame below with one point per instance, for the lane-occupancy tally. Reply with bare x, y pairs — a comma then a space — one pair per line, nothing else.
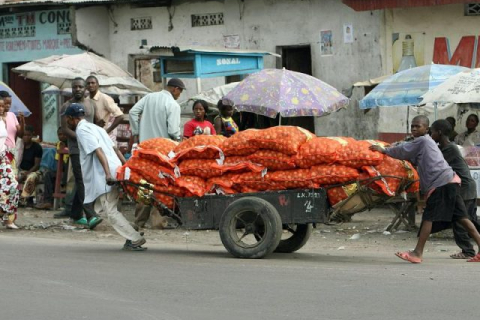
210, 65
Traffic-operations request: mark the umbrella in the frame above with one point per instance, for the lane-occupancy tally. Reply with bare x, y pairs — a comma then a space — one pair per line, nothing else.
110, 90
464, 87
17, 104
61, 70
406, 87
211, 96
290, 93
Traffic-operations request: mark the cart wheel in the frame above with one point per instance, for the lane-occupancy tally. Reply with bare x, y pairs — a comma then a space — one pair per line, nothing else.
250, 227
298, 235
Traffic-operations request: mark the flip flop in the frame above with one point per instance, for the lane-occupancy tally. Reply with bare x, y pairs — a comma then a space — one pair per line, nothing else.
460, 255
408, 257
475, 259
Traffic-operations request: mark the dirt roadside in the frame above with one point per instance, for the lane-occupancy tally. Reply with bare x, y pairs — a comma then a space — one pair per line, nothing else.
366, 233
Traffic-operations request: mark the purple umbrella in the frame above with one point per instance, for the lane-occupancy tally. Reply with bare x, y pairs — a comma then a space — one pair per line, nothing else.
292, 94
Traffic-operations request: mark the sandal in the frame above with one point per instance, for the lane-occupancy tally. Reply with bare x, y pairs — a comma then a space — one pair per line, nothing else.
460, 255
476, 258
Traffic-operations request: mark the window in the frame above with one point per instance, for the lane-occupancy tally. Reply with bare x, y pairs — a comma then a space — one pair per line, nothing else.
141, 23
207, 19
472, 9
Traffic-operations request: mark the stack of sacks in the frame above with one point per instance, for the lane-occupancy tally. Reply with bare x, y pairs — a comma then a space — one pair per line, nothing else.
276, 158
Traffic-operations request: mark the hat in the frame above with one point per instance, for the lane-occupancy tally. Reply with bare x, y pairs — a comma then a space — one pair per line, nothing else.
74, 110
175, 82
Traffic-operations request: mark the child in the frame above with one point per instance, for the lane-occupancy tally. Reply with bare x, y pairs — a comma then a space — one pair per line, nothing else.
29, 171
441, 132
224, 124
437, 181
198, 125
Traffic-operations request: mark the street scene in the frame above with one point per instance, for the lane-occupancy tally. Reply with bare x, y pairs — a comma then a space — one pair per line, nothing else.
283, 159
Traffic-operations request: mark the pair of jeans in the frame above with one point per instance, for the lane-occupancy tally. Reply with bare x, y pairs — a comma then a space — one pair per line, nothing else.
462, 239
78, 207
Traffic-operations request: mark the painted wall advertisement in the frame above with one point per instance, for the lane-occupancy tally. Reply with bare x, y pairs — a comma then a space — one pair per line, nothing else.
326, 47
27, 35
408, 50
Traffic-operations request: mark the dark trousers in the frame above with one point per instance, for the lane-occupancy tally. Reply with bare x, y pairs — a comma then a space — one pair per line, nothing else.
77, 208
462, 239
49, 186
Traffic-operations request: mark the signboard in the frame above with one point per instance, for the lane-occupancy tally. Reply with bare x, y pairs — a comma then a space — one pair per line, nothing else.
31, 35
326, 45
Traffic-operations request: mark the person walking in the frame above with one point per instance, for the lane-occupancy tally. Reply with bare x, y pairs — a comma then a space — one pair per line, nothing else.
160, 117
78, 206
100, 160
15, 125
441, 131
438, 182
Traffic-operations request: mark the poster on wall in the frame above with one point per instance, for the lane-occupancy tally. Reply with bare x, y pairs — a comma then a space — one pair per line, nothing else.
408, 50
326, 47
347, 33
231, 41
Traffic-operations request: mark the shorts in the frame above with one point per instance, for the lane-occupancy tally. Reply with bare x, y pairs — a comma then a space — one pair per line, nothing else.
445, 204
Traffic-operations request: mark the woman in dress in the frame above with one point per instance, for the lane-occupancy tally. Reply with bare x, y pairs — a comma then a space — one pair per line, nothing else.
9, 193
15, 127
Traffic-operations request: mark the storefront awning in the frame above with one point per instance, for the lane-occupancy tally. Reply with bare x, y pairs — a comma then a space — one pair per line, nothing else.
368, 5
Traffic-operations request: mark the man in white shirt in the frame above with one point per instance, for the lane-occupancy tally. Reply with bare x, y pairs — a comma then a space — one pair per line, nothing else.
160, 117
100, 159
160, 114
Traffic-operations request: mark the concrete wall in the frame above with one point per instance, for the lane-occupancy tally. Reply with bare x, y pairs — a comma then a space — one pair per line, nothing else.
93, 29
265, 25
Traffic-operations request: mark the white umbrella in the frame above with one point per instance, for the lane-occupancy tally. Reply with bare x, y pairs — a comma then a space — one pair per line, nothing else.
464, 87
61, 70
110, 90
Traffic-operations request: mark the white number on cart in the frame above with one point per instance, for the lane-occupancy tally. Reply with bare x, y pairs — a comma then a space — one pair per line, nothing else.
308, 206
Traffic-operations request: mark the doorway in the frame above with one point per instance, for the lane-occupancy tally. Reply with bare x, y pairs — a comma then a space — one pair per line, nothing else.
29, 92
296, 58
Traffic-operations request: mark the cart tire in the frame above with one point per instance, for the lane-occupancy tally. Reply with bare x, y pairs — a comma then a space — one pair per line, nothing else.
300, 233
250, 228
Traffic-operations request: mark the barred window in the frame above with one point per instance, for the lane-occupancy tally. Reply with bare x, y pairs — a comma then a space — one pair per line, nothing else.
143, 23
472, 9
207, 19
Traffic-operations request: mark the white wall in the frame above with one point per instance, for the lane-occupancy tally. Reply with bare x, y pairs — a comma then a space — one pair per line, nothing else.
93, 29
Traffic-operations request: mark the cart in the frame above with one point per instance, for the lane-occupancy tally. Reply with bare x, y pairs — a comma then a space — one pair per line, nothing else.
251, 225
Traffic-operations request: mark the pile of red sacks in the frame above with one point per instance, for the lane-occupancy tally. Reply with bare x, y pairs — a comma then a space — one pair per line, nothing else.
276, 158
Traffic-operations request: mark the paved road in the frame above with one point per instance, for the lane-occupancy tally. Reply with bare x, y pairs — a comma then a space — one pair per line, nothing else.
47, 279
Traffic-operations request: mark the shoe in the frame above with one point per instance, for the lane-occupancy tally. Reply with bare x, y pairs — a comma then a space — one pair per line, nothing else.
44, 206
12, 226
135, 246
82, 221
61, 215
94, 221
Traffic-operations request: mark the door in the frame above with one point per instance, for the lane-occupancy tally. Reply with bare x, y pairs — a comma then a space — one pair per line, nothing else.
29, 92
297, 58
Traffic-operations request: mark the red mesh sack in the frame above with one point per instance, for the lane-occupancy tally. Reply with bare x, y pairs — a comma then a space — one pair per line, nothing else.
166, 200
222, 183
155, 156
392, 167
357, 154
285, 139
317, 151
233, 160
195, 185
152, 172
162, 145
254, 180
338, 194
293, 179
273, 160
204, 168
200, 147
240, 143
332, 174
